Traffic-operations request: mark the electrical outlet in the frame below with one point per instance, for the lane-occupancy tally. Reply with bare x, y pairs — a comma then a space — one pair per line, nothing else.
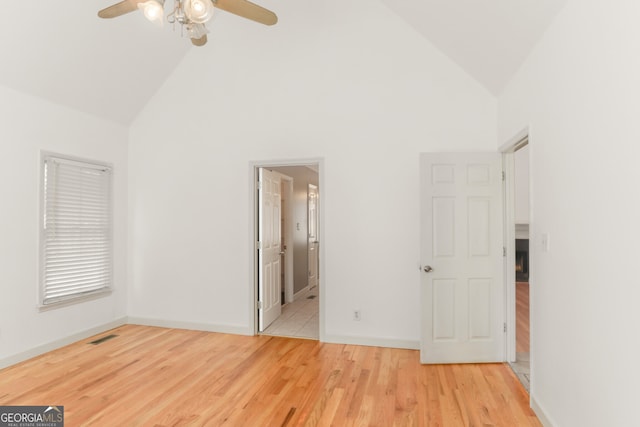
356, 315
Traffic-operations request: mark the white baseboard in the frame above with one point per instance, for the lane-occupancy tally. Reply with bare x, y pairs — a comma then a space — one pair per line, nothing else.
54, 345
176, 324
226, 329
372, 342
541, 413
299, 294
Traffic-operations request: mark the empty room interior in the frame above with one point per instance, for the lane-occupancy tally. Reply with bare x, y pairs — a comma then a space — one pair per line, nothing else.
313, 212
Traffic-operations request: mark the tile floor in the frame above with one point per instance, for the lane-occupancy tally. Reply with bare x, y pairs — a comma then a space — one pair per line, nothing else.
299, 319
521, 369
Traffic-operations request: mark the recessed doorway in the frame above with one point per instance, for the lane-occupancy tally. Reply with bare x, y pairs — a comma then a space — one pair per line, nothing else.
283, 225
518, 213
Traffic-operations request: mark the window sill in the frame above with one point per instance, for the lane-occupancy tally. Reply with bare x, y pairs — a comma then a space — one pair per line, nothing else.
76, 300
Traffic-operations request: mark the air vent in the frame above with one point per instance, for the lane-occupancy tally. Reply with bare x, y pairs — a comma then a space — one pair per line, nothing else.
103, 339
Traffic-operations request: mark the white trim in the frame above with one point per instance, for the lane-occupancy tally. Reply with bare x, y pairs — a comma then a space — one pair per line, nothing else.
541, 413
513, 143
298, 294
321, 254
508, 149
510, 259
54, 345
288, 241
317, 192
372, 341
193, 326
252, 255
85, 163
77, 300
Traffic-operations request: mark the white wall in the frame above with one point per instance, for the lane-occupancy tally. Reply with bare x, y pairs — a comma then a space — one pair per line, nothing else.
579, 92
347, 82
28, 125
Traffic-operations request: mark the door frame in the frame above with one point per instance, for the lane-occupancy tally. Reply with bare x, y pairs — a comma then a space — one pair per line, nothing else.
508, 149
288, 238
253, 230
317, 239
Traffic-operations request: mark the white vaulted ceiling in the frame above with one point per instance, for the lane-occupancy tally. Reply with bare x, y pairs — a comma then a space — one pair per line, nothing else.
489, 39
63, 52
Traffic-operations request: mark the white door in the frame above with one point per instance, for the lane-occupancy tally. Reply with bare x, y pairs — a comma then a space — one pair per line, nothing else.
313, 235
462, 258
269, 214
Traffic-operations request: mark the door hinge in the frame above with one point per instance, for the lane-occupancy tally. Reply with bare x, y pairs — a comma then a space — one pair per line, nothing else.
259, 245
259, 305
504, 251
504, 328
259, 185
504, 176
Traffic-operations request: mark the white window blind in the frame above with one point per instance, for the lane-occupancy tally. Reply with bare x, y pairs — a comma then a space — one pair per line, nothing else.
76, 229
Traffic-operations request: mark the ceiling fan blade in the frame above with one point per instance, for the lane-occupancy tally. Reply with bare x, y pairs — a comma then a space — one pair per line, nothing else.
199, 42
115, 10
248, 10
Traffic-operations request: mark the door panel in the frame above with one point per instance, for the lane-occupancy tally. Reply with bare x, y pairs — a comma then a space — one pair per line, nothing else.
461, 239
269, 220
478, 216
444, 317
480, 312
443, 226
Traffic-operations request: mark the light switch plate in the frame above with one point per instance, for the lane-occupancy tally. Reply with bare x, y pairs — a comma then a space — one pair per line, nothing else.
545, 242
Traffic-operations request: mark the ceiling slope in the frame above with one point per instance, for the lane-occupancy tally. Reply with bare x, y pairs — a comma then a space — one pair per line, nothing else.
489, 39
63, 52
111, 68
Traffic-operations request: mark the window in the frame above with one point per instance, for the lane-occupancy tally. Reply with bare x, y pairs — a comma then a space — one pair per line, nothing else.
76, 240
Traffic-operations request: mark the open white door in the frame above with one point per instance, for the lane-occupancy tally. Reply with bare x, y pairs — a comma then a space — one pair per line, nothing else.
269, 214
462, 258
313, 236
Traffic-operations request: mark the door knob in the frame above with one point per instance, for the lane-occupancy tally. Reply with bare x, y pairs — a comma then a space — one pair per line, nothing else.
427, 269
282, 252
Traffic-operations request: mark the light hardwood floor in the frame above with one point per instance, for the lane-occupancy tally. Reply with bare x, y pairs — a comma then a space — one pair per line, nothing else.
522, 317
521, 366
167, 377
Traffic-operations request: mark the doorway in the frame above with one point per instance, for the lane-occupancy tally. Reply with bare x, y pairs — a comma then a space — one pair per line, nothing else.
517, 223
299, 295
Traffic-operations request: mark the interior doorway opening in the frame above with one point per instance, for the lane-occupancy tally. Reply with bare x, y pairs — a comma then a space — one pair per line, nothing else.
287, 223
517, 270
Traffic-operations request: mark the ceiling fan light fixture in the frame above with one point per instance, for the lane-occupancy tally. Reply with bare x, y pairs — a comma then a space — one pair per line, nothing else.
153, 10
196, 31
198, 11
190, 15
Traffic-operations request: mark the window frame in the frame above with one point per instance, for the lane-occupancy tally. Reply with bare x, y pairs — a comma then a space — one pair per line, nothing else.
46, 156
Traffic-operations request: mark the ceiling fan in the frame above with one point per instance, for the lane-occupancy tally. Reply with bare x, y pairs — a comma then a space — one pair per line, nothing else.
192, 15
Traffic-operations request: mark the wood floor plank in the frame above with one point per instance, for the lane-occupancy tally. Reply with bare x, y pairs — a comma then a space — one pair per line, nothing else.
522, 317
167, 377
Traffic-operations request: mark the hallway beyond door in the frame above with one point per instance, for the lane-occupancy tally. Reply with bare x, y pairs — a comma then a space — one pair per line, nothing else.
299, 319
